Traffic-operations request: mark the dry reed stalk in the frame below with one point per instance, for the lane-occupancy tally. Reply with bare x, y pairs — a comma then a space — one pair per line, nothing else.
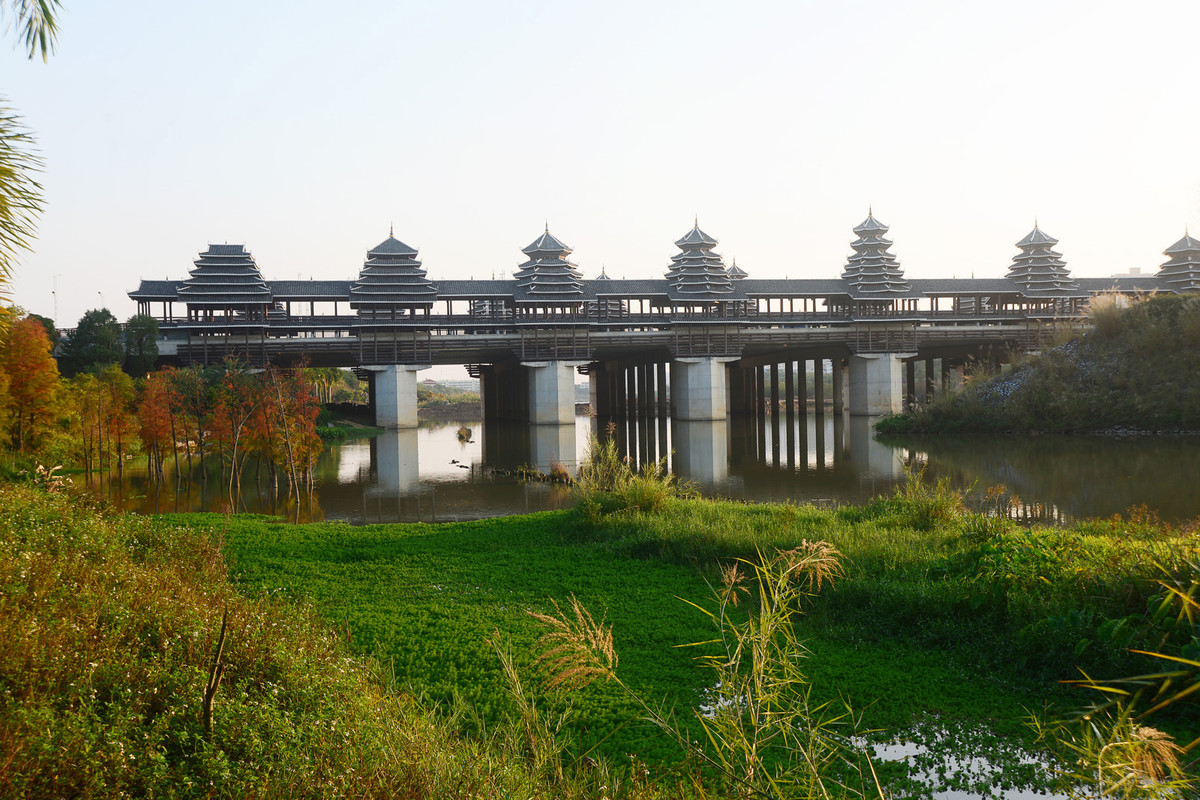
576, 650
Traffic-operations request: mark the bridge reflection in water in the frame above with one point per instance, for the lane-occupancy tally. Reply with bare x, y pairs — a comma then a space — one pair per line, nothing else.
430, 474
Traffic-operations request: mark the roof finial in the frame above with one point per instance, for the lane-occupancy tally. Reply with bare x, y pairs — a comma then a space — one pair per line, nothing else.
696, 221
870, 210
1035, 225
547, 225
391, 230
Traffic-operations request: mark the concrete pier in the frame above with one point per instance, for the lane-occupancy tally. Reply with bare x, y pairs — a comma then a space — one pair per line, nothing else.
877, 384
395, 394
701, 451
551, 391
698, 388
397, 460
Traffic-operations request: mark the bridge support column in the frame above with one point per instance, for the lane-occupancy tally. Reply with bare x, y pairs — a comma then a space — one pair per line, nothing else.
736, 402
819, 386
789, 403
551, 391
601, 391
774, 418
876, 384
489, 395
760, 394
698, 388
839, 383
773, 394
957, 376
396, 394
504, 392
910, 384
664, 407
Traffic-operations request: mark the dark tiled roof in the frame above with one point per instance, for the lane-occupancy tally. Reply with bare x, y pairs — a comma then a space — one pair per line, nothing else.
1122, 283
1038, 267
793, 287
874, 272
638, 287
392, 276
156, 290
466, 290
310, 290
391, 246
927, 287
225, 274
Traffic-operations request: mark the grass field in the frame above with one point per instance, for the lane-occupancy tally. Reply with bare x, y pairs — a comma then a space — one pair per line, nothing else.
961, 617
113, 630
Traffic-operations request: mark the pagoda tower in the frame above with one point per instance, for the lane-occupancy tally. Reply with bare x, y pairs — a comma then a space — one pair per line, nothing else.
1038, 267
225, 278
872, 269
1182, 272
391, 280
547, 277
698, 270
736, 272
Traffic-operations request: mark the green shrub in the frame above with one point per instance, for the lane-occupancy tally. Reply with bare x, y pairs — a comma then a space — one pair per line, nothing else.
607, 482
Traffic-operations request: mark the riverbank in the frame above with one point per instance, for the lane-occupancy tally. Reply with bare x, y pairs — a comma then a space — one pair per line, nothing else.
1133, 372
469, 410
941, 615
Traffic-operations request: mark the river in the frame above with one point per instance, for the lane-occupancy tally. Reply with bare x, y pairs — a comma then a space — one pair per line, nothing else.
432, 474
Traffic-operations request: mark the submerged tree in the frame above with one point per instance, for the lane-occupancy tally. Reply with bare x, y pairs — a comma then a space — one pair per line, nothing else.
32, 378
156, 419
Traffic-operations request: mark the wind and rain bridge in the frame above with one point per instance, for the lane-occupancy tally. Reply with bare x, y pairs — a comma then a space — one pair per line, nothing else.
704, 341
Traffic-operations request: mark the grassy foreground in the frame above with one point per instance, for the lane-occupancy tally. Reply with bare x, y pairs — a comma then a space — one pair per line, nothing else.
112, 623
941, 613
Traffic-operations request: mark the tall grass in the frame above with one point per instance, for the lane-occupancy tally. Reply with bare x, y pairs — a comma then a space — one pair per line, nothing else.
109, 627
608, 482
763, 735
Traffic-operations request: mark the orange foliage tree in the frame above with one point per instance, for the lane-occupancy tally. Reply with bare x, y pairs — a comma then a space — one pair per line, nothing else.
156, 421
32, 380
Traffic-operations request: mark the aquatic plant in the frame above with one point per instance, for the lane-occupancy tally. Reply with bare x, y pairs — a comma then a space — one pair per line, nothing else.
763, 734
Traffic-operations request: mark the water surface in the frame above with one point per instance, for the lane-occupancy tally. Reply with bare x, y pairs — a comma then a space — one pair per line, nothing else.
431, 474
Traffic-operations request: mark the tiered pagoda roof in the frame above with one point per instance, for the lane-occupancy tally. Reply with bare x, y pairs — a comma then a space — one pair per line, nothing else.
1038, 267
392, 277
1182, 272
698, 272
872, 270
225, 276
548, 277
736, 272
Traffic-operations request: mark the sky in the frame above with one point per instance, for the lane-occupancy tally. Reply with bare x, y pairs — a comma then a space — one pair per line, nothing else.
305, 129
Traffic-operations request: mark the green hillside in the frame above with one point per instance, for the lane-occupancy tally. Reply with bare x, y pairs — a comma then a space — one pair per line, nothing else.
1137, 369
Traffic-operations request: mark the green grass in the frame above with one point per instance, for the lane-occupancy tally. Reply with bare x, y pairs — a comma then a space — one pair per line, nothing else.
110, 623
941, 611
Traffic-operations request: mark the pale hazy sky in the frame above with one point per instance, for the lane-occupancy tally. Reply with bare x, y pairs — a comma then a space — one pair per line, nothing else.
303, 129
